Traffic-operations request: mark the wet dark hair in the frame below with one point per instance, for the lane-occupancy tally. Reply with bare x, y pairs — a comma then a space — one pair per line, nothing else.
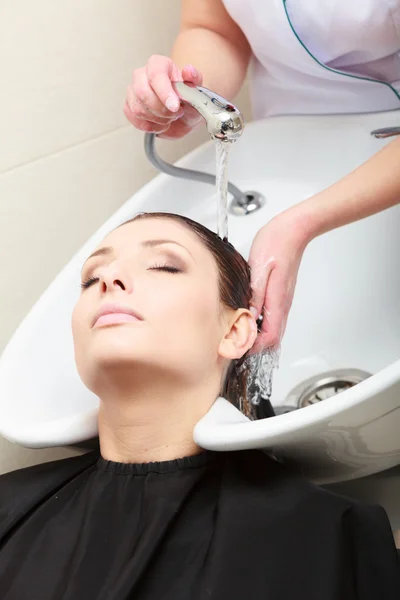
235, 292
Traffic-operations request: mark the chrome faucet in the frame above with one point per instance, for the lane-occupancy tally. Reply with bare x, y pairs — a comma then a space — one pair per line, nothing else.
224, 121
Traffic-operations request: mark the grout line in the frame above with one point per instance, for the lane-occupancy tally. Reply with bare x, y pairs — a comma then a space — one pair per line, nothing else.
66, 149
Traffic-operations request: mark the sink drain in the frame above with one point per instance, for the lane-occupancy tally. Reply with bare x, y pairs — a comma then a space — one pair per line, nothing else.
247, 204
324, 386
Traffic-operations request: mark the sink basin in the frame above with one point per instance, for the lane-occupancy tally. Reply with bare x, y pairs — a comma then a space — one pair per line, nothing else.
345, 314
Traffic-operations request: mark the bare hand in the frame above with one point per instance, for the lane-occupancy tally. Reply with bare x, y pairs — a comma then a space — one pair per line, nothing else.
152, 103
275, 258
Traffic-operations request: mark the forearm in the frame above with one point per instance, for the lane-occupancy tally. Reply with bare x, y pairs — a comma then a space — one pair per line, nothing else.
222, 63
371, 188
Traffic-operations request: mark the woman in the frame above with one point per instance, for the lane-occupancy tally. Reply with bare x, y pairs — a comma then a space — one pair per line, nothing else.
163, 316
308, 57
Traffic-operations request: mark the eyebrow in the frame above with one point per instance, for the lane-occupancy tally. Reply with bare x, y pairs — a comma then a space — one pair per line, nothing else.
154, 243
101, 252
146, 244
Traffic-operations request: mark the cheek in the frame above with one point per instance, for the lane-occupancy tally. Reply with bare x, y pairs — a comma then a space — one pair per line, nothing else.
78, 328
188, 311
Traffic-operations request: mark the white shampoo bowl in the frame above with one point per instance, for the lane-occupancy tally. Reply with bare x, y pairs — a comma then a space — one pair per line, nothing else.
345, 313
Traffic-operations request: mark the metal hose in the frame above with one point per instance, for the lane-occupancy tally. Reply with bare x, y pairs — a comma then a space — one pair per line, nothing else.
161, 165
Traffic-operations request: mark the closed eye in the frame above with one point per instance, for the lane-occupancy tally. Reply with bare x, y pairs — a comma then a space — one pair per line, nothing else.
86, 284
166, 268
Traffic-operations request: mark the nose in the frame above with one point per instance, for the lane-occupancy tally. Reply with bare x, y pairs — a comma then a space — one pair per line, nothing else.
113, 277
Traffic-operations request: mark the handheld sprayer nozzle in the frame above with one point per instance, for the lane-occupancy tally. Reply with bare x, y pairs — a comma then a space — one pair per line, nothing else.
224, 121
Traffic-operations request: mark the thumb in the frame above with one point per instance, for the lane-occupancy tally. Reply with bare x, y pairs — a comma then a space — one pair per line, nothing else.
260, 272
192, 75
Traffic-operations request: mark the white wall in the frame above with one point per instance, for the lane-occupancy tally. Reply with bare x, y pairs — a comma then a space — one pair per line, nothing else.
68, 158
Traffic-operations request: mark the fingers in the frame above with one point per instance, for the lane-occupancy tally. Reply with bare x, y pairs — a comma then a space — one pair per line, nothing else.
274, 310
143, 124
160, 72
175, 131
192, 75
153, 111
260, 274
271, 332
183, 126
275, 258
268, 337
143, 100
257, 300
152, 105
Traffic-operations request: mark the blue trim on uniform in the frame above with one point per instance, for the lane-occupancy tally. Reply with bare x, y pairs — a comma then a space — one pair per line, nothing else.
397, 94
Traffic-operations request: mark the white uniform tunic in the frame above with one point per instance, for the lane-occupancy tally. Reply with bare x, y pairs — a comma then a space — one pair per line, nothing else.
322, 56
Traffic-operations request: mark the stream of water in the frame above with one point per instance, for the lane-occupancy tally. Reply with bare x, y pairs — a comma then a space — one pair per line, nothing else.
262, 364
261, 367
222, 188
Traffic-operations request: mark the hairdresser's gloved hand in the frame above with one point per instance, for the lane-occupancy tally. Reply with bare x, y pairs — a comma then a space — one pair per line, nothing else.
274, 259
152, 104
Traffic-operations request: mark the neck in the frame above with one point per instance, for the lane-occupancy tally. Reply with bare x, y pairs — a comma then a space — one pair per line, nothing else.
151, 423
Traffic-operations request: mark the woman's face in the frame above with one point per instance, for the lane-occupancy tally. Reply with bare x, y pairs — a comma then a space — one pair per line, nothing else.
158, 286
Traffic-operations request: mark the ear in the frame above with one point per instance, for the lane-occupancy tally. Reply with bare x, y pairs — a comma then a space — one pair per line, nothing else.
240, 335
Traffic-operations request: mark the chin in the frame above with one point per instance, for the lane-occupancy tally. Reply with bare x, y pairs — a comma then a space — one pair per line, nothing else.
114, 356
100, 372
117, 348
117, 343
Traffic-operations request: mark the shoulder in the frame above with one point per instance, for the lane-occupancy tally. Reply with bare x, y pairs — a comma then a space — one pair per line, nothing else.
45, 470
23, 489
283, 483
312, 511
329, 530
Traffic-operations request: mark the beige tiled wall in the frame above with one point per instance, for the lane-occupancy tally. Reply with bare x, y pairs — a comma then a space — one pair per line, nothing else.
68, 158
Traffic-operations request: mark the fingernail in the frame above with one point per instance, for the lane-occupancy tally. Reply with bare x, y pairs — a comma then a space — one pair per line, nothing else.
172, 103
193, 71
254, 312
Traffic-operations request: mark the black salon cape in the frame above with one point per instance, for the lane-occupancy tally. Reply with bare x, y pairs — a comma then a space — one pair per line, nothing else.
229, 526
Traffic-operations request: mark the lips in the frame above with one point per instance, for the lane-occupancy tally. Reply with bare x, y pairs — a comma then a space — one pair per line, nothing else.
113, 314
